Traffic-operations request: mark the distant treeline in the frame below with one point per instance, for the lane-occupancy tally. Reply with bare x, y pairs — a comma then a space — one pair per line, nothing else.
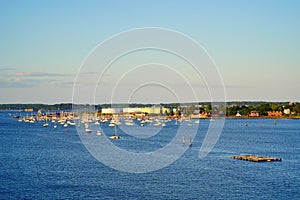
62, 106
232, 108
70, 106
263, 108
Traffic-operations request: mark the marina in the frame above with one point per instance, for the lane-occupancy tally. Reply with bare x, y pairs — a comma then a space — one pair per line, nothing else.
150, 100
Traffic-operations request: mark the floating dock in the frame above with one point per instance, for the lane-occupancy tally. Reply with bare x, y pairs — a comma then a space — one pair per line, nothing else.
255, 158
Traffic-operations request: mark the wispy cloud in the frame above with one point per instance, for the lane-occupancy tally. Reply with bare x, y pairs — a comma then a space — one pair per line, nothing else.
88, 73
63, 84
238, 86
19, 83
42, 74
34, 79
5, 68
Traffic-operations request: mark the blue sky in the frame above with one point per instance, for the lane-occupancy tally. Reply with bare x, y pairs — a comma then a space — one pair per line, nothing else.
255, 44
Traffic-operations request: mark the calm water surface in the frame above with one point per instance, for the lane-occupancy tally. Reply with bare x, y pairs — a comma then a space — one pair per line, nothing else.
47, 163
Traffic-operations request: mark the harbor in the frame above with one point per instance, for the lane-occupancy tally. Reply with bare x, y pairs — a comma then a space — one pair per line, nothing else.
38, 158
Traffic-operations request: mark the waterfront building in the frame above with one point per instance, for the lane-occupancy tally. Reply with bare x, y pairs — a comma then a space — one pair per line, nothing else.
254, 113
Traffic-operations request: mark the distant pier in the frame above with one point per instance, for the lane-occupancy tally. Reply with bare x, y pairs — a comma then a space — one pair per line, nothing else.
255, 158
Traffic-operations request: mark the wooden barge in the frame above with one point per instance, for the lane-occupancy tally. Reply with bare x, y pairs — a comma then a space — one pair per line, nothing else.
255, 158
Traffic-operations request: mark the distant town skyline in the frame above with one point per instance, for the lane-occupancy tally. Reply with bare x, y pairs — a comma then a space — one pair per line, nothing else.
255, 45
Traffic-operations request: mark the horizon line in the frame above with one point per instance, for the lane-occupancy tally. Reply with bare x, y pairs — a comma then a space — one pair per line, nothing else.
230, 101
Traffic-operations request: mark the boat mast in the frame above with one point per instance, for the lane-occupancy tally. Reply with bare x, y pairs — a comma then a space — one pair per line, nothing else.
190, 140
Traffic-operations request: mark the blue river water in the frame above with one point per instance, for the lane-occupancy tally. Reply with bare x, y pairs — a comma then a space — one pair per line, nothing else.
46, 163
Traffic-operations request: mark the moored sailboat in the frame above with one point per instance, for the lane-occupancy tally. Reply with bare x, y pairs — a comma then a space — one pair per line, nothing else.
115, 136
190, 141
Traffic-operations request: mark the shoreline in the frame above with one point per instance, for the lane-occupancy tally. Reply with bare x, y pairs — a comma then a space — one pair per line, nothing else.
264, 117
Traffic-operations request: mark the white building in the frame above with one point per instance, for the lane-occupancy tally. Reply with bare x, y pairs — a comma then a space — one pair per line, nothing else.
287, 111
111, 110
238, 114
132, 110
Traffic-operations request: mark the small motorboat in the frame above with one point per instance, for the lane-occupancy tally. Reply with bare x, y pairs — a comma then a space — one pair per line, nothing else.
87, 130
45, 125
99, 133
114, 137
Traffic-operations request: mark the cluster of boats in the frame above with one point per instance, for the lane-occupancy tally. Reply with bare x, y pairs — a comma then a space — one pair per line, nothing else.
79, 119
66, 121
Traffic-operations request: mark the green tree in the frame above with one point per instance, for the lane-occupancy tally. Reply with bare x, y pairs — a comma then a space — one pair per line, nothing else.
296, 109
190, 109
274, 107
244, 110
264, 108
208, 108
231, 111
